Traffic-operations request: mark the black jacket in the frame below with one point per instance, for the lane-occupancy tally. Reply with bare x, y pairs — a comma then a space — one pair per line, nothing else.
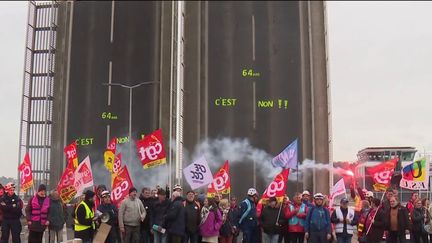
193, 216
12, 208
81, 214
112, 210
403, 219
175, 218
148, 204
269, 218
418, 219
227, 226
377, 229
159, 212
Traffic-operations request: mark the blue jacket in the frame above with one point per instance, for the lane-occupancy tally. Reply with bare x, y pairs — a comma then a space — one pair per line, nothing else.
318, 220
250, 220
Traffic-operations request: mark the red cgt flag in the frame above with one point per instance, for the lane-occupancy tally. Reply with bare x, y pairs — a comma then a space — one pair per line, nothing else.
71, 154
221, 182
277, 188
26, 173
120, 187
151, 150
65, 187
382, 174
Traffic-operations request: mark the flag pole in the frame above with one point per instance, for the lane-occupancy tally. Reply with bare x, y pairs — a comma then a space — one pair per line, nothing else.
297, 169
373, 218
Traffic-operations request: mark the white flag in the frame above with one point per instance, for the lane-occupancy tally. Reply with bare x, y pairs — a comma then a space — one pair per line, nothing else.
83, 176
338, 189
198, 173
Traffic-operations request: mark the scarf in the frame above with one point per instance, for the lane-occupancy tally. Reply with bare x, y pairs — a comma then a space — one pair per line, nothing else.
204, 214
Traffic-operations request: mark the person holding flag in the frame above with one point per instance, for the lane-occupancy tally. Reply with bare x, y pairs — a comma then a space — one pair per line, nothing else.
12, 206
247, 217
375, 223
270, 221
37, 214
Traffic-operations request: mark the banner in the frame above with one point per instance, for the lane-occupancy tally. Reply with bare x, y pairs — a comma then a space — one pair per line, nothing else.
121, 185
337, 190
83, 176
26, 173
116, 167
151, 150
415, 176
198, 174
221, 182
382, 174
287, 158
109, 155
71, 154
65, 187
277, 188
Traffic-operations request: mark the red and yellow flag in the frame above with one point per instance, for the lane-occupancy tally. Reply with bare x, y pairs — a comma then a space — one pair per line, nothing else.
109, 155
382, 174
26, 173
221, 182
121, 185
71, 154
151, 150
65, 187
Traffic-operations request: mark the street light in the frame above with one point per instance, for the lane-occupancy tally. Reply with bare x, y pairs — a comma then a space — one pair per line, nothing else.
130, 87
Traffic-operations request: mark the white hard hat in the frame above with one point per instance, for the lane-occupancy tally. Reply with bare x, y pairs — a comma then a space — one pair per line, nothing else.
177, 186
9, 186
252, 192
105, 193
306, 193
318, 196
369, 194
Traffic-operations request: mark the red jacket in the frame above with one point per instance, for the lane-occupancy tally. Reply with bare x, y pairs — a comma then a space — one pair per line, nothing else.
295, 214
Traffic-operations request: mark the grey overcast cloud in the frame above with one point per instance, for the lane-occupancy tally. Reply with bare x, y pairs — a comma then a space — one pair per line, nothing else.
379, 69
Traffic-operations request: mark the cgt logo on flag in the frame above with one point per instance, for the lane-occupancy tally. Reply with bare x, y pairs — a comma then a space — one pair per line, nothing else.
277, 187
382, 174
71, 154
121, 185
221, 182
65, 187
151, 150
26, 174
287, 158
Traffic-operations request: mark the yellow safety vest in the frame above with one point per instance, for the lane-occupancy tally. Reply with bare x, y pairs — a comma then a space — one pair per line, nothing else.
89, 215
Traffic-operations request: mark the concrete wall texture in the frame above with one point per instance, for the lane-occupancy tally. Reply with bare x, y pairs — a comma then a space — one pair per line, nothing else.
252, 70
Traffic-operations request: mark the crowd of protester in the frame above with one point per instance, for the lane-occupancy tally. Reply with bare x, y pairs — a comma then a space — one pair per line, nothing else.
160, 216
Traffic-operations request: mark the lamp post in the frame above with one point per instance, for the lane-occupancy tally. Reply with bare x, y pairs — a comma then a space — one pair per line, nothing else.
130, 87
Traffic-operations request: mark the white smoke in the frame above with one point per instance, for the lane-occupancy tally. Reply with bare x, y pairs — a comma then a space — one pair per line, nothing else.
236, 151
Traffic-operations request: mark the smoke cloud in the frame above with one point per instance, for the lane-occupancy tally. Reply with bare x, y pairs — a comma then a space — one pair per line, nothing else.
216, 151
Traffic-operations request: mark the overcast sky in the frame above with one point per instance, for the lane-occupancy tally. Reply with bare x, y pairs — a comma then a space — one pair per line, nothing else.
380, 74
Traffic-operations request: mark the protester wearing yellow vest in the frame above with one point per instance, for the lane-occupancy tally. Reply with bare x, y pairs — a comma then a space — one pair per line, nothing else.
84, 218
